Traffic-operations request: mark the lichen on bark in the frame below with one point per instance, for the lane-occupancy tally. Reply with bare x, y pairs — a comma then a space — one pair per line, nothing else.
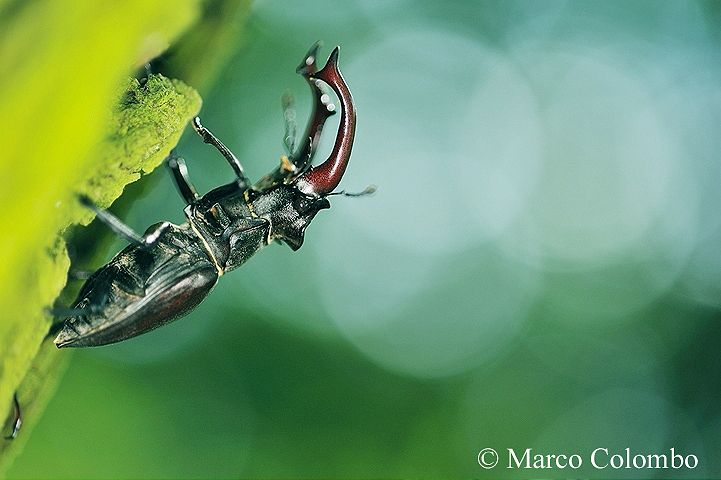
140, 132
145, 125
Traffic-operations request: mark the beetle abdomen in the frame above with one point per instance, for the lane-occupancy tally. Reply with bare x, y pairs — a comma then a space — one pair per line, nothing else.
141, 289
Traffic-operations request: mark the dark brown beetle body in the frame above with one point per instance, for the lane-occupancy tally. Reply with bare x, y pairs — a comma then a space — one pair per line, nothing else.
141, 289
168, 271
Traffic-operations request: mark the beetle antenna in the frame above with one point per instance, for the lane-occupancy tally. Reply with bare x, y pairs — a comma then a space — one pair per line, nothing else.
369, 190
291, 126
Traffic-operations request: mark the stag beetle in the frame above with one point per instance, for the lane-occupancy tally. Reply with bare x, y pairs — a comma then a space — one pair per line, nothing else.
165, 273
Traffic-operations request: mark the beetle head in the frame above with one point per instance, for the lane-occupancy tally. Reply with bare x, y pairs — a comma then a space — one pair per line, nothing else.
291, 196
305, 209
289, 212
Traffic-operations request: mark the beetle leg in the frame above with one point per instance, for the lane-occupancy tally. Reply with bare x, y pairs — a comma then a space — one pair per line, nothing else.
208, 137
124, 231
18, 419
323, 108
75, 274
113, 222
153, 235
65, 312
182, 181
146, 71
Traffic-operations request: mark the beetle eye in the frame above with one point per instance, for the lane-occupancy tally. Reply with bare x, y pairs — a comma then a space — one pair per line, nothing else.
301, 205
306, 205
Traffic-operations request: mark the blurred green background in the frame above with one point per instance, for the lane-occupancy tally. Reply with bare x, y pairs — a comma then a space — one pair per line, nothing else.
540, 267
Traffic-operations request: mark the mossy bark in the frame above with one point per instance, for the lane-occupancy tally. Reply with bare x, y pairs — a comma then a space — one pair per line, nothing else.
144, 128
72, 123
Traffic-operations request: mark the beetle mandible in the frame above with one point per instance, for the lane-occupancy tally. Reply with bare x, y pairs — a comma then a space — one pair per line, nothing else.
165, 273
